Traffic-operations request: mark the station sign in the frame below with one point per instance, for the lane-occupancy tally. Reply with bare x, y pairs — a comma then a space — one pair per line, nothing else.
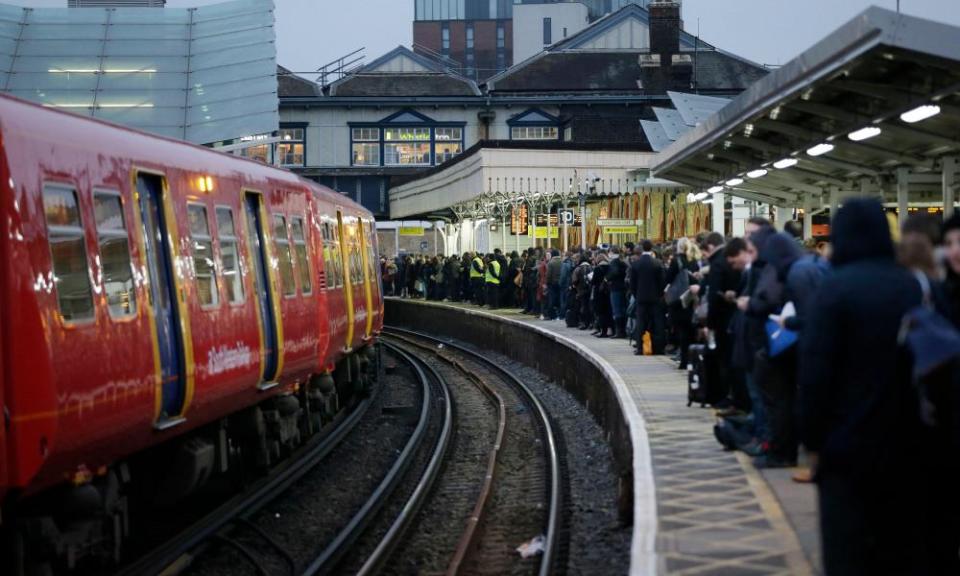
519, 220
411, 231
568, 216
621, 229
605, 222
542, 233
558, 220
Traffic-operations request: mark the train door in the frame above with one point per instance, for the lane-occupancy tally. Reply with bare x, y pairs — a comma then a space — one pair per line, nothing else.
345, 251
256, 240
367, 279
163, 299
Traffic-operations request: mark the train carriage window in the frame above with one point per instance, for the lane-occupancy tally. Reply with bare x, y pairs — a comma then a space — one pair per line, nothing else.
203, 263
115, 261
68, 252
229, 255
300, 248
284, 257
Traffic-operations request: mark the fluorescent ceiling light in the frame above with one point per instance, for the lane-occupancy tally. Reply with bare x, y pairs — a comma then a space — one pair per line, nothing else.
758, 173
864, 133
785, 163
734, 181
715, 189
920, 113
701, 196
691, 197
820, 149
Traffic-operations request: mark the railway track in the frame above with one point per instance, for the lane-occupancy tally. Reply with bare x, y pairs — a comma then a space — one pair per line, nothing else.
520, 495
178, 554
478, 475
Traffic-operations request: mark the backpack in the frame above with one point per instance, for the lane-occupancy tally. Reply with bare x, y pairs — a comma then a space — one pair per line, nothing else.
934, 346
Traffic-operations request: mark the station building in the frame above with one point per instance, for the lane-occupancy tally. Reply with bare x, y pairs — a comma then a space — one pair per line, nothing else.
413, 139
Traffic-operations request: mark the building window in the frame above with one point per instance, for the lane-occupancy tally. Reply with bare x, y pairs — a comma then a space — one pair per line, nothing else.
284, 257
116, 268
260, 153
366, 146
449, 144
547, 31
564, 31
406, 146
68, 251
445, 39
229, 255
290, 148
501, 36
203, 267
501, 61
470, 36
300, 249
534, 133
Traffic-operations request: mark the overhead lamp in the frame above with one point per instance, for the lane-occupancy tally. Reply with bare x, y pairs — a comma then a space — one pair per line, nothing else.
715, 189
920, 113
758, 173
820, 149
700, 196
785, 163
691, 198
864, 133
735, 181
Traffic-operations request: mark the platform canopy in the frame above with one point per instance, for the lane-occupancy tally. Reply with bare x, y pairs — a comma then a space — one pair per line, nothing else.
873, 109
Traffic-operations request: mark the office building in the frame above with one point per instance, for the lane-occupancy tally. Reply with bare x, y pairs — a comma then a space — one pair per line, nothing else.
477, 38
204, 74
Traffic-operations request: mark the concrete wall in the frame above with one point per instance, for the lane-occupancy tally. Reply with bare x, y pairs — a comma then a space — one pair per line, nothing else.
528, 25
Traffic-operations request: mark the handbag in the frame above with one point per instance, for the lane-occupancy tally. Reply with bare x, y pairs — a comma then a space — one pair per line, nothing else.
518, 279
679, 285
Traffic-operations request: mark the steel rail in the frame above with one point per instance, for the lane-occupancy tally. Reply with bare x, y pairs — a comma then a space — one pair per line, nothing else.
341, 544
376, 561
553, 518
466, 541
174, 555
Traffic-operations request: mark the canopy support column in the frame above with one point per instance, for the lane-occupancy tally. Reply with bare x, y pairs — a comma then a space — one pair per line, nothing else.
949, 181
719, 212
834, 202
807, 216
784, 215
903, 195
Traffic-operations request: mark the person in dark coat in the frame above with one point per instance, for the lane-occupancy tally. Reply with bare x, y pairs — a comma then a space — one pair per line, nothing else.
648, 280
860, 413
617, 281
722, 285
680, 316
601, 298
580, 284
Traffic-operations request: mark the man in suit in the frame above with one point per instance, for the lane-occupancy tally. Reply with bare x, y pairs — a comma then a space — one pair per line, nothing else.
648, 280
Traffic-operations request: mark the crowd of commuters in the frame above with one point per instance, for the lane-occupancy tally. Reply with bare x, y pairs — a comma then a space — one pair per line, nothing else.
841, 356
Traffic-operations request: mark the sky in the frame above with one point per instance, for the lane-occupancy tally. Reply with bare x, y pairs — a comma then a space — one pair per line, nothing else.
311, 33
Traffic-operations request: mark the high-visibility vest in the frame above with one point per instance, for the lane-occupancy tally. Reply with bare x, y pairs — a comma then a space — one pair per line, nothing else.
476, 269
493, 272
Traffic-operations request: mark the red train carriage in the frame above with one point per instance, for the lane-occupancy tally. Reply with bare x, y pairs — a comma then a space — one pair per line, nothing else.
156, 293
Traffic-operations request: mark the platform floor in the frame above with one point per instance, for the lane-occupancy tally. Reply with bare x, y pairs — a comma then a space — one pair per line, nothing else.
716, 513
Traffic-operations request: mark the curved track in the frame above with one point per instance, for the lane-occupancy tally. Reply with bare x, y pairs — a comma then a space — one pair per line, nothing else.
512, 397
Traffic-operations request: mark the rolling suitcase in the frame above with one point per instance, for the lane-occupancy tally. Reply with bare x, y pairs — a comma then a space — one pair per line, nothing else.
572, 317
697, 378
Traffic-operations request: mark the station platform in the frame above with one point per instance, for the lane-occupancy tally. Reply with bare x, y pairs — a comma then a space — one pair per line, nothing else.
715, 514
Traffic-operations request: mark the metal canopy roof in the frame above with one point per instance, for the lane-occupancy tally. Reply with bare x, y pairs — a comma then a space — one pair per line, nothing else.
876, 67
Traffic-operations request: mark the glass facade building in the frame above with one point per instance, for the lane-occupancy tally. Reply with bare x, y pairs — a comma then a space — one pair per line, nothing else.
205, 75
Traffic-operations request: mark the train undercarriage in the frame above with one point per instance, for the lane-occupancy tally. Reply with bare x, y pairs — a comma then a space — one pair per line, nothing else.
98, 521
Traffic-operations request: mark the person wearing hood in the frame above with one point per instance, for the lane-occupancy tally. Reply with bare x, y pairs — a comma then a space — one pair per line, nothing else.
859, 410
775, 377
601, 298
